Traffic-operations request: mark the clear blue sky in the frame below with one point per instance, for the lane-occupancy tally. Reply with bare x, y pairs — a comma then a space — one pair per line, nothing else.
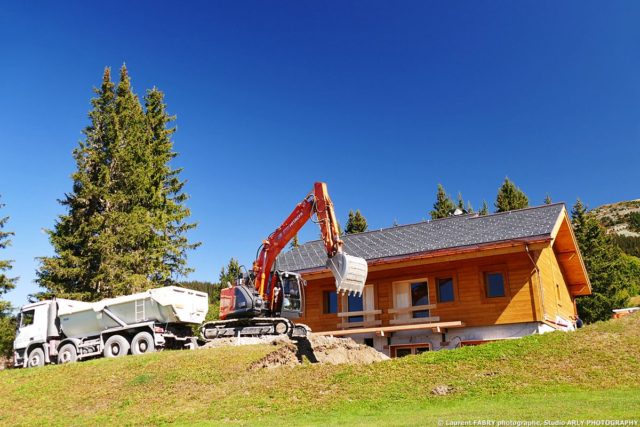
382, 100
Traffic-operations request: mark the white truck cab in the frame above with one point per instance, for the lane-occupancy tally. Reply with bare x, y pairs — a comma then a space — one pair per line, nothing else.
36, 328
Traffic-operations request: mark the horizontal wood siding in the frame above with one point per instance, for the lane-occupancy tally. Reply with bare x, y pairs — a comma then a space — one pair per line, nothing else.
557, 300
521, 304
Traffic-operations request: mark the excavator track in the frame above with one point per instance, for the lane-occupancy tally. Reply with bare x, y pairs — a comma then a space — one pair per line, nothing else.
254, 327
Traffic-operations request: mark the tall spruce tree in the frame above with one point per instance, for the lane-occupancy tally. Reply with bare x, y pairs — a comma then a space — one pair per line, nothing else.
510, 197
444, 206
124, 229
356, 223
484, 210
294, 242
7, 322
608, 272
230, 273
6, 283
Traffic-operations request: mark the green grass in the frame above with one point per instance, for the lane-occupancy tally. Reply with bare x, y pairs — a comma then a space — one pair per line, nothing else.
590, 374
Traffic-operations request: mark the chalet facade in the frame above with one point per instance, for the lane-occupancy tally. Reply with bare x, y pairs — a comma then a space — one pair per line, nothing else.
446, 283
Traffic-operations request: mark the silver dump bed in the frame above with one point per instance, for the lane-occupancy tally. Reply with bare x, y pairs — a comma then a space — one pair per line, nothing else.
170, 304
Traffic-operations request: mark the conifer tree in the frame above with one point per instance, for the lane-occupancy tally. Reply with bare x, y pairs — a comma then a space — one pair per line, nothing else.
510, 197
547, 200
7, 322
470, 207
6, 283
356, 223
124, 229
609, 276
444, 206
484, 210
294, 242
460, 202
229, 274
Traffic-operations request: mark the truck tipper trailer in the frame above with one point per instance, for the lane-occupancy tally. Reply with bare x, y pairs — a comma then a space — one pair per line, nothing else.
63, 331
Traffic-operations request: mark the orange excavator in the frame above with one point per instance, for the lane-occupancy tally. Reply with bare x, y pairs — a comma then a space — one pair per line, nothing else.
265, 300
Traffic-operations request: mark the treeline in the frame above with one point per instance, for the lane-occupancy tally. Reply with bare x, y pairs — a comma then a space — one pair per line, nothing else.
629, 244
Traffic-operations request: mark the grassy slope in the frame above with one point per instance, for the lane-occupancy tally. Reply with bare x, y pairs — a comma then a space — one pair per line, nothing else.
592, 373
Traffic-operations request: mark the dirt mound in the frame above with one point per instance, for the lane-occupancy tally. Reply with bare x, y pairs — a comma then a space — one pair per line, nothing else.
318, 349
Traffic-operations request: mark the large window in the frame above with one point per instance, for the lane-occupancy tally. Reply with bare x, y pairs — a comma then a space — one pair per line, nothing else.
494, 284
445, 289
355, 303
329, 302
420, 296
27, 318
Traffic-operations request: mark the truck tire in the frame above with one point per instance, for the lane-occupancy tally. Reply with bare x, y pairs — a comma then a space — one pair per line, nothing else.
116, 346
36, 358
67, 354
142, 343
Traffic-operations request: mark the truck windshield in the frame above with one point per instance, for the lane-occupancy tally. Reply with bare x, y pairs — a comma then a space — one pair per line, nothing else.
26, 318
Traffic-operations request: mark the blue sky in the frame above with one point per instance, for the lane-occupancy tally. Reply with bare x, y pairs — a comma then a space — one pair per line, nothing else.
382, 100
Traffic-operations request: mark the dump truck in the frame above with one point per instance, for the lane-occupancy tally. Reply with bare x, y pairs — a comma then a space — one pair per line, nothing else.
64, 331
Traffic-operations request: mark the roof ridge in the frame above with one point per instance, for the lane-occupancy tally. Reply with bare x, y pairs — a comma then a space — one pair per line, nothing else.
474, 215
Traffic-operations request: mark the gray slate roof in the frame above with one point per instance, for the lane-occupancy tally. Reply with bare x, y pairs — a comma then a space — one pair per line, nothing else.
447, 233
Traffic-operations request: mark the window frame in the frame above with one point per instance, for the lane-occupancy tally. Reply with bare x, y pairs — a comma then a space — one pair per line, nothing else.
413, 347
454, 278
326, 305
495, 269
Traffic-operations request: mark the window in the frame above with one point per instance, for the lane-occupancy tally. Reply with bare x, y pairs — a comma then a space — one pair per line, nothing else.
330, 302
494, 284
445, 289
420, 296
27, 318
354, 303
403, 350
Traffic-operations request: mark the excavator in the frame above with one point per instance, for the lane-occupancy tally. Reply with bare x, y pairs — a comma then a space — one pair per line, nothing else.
264, 300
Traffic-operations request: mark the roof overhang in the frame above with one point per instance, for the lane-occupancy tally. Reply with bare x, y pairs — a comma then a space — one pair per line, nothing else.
569, 257
444, 255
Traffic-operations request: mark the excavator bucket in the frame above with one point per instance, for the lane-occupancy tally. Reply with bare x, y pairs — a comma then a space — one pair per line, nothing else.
350, 273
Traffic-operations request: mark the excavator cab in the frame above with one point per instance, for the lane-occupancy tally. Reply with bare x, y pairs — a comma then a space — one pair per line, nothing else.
292, 288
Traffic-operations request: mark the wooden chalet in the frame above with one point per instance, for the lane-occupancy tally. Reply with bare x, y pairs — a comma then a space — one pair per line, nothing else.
446, 283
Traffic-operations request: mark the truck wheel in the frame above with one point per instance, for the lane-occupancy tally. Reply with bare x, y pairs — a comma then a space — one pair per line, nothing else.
36, 358
116, 346
67, 354
142, 343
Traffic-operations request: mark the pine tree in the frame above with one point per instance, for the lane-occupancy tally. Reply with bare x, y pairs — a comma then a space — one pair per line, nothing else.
7, 322
547, 200
608, 272
124, 230
444, 206
6, 283
470, 208
356, 223
460, 202
510, 197
294, 242
229, 274
484, 210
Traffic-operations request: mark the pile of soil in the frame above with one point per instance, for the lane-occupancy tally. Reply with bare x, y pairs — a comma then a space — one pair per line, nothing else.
319, 349
314, 349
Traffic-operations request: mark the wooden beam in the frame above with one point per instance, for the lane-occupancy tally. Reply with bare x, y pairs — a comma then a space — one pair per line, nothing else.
416, 320
359, 313
411, 309
382, 330
347, 325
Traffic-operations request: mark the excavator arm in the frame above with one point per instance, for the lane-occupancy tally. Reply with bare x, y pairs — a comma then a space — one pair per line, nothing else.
350, 272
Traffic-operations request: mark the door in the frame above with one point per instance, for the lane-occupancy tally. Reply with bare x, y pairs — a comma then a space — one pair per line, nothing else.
401, 299
369, 302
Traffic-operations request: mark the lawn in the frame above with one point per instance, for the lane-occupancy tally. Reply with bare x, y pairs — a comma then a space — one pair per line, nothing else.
593, 373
